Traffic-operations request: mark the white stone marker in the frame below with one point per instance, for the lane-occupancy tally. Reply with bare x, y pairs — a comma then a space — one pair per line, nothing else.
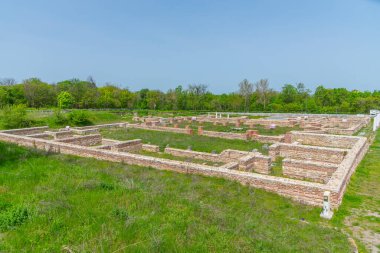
326, 213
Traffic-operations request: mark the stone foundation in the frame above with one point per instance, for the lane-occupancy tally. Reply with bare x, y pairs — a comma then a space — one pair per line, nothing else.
326, 160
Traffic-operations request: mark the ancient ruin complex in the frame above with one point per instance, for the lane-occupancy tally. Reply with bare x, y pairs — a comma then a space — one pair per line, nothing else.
320, 157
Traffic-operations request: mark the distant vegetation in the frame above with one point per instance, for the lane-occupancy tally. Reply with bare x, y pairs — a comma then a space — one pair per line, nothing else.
257, 96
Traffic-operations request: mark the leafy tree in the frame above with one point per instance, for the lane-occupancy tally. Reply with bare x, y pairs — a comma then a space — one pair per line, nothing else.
245, 90
65, 100
289, 93
4, 97
262, 90
38, 93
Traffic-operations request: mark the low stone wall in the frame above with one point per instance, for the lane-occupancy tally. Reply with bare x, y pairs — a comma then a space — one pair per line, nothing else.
85, 131
127, 146
341, 177
121, 124
40, 136
161, 128
225, 135
195, 155
87, 140
324, 140
232, 154
60, 134
228, 155
268, 122
151, 148
313, 171
268, 139
26, 131
307, 153
255, 162
247, 161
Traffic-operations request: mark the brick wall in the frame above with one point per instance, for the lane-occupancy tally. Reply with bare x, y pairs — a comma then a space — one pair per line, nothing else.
314, 171
225, 135
324, 140
308, 153
125, 146
87, 140
26, 131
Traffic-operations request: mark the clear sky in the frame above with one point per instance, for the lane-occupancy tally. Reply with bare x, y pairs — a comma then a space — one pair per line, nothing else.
161, 44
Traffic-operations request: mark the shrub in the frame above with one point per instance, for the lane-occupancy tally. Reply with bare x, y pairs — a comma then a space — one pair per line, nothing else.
14, 116
79, 118
59, 118
13, 216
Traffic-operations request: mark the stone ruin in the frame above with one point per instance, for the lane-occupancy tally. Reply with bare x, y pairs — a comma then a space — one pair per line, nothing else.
313, 162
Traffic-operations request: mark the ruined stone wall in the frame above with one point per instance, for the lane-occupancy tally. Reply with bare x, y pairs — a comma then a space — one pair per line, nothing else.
341, 177
308, 153
267, 122
86, 131
196, 155
151, 148
225, 135
314, 171
127, 146
101, 126
268, 139
160, 128
40, 136
86, 140
233, 154
324, 140
26, 131
255, 162
60, 134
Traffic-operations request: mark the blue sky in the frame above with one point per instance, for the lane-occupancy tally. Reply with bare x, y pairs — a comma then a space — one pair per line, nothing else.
161, 44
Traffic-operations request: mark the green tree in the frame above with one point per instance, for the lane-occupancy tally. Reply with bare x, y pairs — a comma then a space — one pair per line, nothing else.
65, 100
289, 93
38, 93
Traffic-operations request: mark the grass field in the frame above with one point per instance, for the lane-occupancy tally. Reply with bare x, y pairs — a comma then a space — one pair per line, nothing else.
178, 158
183, 141
41, 118
52, 203
231, 128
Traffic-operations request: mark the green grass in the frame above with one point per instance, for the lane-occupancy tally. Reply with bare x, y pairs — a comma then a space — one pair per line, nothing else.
277, 168
182, 141
231, 128
41, 118
178, 158
62, 203
361, 202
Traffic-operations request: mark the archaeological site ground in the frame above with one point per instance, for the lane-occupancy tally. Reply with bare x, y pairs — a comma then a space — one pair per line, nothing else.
308, 159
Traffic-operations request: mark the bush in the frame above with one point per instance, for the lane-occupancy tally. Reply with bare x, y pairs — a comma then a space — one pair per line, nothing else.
13, 216
14, 116
59, 118
79, 118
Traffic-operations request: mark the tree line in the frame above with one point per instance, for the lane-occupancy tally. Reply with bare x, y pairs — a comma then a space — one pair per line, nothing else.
257, 96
